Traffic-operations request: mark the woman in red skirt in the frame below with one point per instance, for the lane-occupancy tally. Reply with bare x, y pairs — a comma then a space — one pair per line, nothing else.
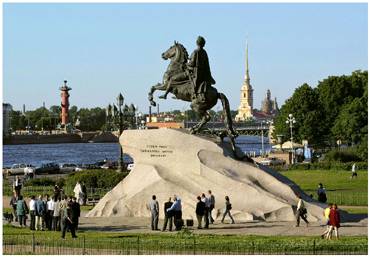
334, 221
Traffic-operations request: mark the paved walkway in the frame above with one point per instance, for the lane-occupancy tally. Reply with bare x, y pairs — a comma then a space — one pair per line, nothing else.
142, 225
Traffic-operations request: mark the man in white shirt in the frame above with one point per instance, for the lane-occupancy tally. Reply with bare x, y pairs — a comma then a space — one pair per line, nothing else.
32, 205
50, 209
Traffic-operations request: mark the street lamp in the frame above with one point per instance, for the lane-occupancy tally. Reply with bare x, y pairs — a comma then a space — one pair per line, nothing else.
120, 127
291, 120
262, 139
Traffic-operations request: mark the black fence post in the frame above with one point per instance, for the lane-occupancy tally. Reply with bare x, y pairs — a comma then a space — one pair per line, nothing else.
138, 245
314, 247
33, 243
194, 245
83, 245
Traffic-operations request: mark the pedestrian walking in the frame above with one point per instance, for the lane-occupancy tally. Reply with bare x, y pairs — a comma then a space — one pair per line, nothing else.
167, 216
327, 224
354, 173
228, 207
67, 222
22, 211
212, 202
199, 211
32, 205
334, 221
13, 204
206, 210
40, 214
154, 210
76, 211
301, 211
56, 215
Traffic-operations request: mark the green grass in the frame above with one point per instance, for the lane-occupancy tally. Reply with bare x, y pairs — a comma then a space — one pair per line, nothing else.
179, 243
354, 210
340, 188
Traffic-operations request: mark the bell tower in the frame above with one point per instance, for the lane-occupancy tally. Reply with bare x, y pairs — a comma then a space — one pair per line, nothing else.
245, 110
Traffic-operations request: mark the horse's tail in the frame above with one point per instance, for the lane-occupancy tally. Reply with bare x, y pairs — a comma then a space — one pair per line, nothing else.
227, 115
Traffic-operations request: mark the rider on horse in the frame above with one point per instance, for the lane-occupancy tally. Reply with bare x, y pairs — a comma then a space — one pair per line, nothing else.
198, 72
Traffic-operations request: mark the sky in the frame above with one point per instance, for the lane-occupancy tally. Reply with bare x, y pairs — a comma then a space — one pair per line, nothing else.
105, 49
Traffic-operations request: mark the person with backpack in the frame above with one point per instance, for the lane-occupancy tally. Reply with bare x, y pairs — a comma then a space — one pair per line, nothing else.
228, 207
321, 194
22, 211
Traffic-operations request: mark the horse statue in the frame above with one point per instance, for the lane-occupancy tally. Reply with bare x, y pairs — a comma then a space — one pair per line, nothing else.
178, 81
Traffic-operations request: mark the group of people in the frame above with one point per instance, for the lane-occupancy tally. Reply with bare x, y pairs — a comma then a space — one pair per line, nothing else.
331, 214
58, 213
173, 211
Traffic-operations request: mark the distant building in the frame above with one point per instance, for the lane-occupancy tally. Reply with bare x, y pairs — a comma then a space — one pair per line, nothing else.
7, 109
245, 110
269, 107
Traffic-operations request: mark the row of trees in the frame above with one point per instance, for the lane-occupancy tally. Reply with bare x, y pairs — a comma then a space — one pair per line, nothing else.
49, 119
334, 110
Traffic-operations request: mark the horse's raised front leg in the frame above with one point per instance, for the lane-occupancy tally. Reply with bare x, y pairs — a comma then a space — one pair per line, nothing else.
205, 118
158, 86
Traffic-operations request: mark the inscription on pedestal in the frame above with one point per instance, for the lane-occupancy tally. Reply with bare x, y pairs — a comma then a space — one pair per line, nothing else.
156, 151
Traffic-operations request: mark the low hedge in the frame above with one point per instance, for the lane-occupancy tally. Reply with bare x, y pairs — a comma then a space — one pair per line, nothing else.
324, 166
45, 181
95, 178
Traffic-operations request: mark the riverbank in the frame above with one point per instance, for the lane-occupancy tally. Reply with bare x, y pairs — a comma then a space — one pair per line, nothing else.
83, 137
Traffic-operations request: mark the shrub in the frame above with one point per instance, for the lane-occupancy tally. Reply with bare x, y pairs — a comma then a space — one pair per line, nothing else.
95, 178
40, 182
344, 155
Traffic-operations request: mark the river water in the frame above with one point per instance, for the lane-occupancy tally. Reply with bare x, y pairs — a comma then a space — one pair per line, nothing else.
87, 153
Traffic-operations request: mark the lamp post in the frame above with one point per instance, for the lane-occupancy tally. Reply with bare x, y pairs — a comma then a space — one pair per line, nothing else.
291, 120
120, 127
262, 141
120, 116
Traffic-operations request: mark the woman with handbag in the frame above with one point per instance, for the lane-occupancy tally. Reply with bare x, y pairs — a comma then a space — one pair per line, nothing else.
301, 212
227, 210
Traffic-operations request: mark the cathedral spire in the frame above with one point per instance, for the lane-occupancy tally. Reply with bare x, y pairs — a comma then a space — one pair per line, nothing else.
246, 77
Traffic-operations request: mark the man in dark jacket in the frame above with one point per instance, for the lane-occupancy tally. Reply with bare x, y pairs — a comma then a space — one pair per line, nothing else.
200, 210
67, 222
167, 216
40, 214
76, 211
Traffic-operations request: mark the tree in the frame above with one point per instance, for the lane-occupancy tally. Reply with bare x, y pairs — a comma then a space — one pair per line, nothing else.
351, 124
307, 112
337, 91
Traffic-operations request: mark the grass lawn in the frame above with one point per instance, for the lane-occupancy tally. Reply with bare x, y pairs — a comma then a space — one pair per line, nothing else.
340, 188
177, 243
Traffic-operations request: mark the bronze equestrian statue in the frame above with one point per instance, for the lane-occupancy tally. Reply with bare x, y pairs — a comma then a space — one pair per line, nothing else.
191, 81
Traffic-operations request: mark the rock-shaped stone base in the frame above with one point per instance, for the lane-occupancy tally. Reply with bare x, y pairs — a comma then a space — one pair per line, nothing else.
169, 161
